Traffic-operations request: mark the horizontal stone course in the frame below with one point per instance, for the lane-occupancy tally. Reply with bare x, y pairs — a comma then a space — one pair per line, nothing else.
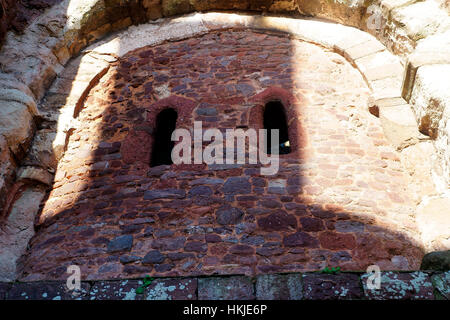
291, 286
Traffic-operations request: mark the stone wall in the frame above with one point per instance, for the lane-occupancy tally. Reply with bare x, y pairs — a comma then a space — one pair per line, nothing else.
307, 286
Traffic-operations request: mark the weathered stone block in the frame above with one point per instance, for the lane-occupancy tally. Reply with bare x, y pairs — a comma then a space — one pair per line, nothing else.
172, 289
441, 283
229, 215
437, 260
434, 224
231, 288
400, 286
279, 287
153, 257
47, 291
332, 287
115, 290
164, 194
121, 243
400, 126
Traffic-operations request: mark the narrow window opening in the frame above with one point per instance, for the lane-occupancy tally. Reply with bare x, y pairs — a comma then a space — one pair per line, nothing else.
275, 118
163, 144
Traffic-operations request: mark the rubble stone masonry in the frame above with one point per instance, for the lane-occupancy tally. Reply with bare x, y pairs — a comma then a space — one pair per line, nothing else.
335, 201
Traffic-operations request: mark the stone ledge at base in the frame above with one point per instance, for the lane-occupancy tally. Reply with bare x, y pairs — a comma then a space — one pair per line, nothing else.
416, 285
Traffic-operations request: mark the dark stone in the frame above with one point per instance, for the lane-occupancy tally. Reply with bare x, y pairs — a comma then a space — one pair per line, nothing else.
172, 289
213, 238
246, 89
269, 251
300, 239
163, 233
153, 257
252, 240
437, 261
196, 246
4, 288
441, 283
332, 286
228, 215
169, 244
230, 288
133, 269
157, 171
237, 185
200, 191
349, 226
270, 203
242, 249
311, 224
279, 287
164, 194
206, 111
121, 243
277, 221
129, 259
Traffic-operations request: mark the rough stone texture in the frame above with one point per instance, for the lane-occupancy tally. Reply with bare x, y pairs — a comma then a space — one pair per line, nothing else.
400, 286
47, 291
4, 288
159, 289
400, 126
416, 161
121, 243
231, 288
431, 100
441, 284
437, 260
115, 290
172, 289
297, 208
434, 223
17, 230
279, 287
35, 69
17, 14
331, 287
407, 286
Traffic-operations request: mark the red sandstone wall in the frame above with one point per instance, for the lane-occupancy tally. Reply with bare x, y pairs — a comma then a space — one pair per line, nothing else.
116, 217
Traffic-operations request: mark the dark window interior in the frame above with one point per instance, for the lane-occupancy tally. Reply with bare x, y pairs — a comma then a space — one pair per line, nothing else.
163, 144
275, 118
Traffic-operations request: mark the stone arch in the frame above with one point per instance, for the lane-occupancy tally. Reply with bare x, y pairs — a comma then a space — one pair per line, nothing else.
138, 144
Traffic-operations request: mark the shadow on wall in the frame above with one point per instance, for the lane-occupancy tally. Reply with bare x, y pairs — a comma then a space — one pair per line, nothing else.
115, 216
